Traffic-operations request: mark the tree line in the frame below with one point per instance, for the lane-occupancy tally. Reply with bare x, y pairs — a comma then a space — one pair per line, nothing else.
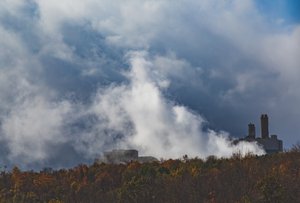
268, 178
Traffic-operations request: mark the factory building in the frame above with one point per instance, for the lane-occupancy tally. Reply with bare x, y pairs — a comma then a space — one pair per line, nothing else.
271, 144
124, 156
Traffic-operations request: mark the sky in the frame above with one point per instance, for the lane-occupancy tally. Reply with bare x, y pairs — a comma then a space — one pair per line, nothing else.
168, 78
287, 10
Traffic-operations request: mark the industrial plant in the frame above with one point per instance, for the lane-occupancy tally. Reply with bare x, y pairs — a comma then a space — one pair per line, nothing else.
271, 144
124, 156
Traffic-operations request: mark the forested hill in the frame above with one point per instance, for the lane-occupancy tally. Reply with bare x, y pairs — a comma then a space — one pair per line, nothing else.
269, 178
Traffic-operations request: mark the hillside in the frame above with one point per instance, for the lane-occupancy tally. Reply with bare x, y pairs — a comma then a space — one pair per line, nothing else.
269, 178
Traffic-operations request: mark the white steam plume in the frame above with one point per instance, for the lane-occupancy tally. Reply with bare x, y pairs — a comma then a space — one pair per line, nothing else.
161, 128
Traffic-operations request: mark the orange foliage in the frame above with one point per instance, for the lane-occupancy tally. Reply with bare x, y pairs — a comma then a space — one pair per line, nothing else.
269, 178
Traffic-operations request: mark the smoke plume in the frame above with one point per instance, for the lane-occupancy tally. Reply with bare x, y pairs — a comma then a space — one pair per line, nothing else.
137, 115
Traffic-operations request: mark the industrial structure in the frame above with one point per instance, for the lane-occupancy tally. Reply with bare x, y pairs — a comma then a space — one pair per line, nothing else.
124, 156
271, 144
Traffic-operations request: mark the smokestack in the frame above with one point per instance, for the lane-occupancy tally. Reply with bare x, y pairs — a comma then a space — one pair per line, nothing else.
264, 126
251, 130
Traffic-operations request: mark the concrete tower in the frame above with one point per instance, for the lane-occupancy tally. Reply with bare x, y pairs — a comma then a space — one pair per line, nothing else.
264, 126
251, 130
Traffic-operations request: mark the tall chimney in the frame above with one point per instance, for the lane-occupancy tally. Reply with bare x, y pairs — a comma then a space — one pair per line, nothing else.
264, 126
251, 130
